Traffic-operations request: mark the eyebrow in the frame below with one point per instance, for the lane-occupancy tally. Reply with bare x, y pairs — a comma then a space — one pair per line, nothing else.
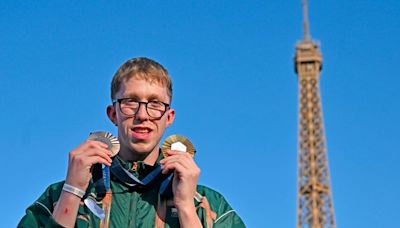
149, 98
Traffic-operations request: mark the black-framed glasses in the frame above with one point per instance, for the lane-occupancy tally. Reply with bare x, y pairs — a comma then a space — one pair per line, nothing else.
130, 106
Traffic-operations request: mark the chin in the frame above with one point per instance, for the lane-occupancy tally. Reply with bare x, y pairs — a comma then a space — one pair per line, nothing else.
143, 149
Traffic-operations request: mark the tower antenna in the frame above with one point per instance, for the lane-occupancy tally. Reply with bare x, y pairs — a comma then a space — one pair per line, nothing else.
306, 25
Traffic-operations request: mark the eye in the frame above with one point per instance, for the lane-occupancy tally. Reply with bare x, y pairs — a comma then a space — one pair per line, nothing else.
129, 102
156, 105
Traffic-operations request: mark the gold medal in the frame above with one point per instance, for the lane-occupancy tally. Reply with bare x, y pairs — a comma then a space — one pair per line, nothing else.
178, 143
107, 138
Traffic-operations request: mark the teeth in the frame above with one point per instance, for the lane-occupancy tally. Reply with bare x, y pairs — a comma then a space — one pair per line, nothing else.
141, 130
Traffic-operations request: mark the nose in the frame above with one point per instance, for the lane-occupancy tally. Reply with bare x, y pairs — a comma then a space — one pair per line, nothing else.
141, 113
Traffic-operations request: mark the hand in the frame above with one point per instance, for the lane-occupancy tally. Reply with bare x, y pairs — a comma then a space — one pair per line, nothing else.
186, 174
79, 174
81, 161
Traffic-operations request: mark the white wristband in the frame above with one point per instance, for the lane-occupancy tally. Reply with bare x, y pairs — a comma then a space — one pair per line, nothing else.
74, 190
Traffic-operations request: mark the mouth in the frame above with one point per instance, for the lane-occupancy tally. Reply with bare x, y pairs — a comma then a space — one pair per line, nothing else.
142, 133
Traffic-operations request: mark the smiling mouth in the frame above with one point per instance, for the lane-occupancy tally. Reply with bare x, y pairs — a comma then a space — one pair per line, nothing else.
141, 132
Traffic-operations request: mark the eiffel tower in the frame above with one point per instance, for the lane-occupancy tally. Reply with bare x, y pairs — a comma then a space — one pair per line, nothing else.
314, 202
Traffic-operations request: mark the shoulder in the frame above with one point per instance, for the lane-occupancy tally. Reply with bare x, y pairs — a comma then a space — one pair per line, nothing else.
214, 202
215, 199
52, 192
40, 212
49, 197
209, 192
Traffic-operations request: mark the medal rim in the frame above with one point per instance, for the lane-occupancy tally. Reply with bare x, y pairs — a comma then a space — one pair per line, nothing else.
177, 138
115, 146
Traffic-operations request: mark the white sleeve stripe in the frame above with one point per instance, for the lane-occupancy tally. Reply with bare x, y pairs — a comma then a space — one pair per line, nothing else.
223, 215
47, 209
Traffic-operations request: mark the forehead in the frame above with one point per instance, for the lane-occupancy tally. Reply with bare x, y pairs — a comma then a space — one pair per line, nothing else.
142, 89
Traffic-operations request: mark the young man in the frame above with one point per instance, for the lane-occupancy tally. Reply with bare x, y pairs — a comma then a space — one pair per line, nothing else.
141, 93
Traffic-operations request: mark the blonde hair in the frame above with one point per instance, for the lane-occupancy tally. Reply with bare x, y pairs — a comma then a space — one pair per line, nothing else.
141, 68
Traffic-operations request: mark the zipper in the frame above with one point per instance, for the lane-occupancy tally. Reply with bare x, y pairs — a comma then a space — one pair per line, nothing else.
130, 211
134, 166
132, 207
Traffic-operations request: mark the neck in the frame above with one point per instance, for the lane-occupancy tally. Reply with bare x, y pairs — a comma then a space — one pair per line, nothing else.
147, 158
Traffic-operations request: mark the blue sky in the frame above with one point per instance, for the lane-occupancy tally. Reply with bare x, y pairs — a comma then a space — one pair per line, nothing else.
235, 94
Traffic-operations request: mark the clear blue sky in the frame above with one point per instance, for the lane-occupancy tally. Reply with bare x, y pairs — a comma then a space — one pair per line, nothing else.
235, 93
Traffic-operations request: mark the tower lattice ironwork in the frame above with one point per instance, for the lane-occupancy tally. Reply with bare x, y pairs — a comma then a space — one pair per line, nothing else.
315, 204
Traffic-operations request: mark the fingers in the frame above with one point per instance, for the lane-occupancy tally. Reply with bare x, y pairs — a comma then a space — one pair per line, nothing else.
174, 152
186, 174
180, 162
84, 153
83, 158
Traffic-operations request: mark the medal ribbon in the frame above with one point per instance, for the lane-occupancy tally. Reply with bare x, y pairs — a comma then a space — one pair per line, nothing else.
102, 185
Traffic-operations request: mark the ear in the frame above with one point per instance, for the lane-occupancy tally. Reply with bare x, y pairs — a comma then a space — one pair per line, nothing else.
170, 117
112, 114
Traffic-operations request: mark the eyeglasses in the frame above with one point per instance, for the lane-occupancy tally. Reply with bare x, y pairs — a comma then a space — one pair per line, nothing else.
129, 107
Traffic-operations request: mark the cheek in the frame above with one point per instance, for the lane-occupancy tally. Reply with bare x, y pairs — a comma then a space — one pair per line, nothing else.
123, 125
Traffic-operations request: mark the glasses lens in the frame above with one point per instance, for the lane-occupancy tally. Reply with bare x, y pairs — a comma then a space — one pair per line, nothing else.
155, 109
130, 107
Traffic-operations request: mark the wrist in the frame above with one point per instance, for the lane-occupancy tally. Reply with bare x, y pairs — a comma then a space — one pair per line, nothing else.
81, 184
73, 190
187, 207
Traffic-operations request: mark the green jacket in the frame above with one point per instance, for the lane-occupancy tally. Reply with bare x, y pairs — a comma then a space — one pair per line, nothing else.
132, 207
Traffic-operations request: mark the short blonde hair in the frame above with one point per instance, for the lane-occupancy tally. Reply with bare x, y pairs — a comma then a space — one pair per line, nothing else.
141, 68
